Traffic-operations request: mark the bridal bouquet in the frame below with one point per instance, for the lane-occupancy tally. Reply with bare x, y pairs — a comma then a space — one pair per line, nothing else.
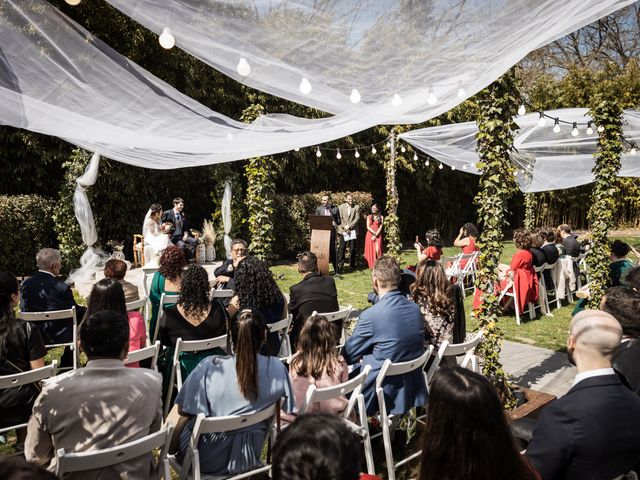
167, 227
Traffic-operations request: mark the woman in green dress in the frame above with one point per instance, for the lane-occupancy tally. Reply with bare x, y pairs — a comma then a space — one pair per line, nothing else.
620, 264
166, 280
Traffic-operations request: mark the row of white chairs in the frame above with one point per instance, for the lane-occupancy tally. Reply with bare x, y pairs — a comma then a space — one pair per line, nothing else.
462, 268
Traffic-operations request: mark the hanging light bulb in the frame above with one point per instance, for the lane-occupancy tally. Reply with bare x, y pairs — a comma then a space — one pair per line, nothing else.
388, 144
453, 167
461, 92
432, 99
556, 126
338, 155
574, 131
373, 149
426, 163
415, 156
72, 2
296, 149
243, 67
357, 154
464, 167
355, 96
396, 100
166, 39
305, 86
589, 129
632, 151
600, 128
440, 167
318, 153
402, 149
522, 110
542, 121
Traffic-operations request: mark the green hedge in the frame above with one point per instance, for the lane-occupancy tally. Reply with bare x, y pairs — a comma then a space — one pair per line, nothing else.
291, 223
27, 223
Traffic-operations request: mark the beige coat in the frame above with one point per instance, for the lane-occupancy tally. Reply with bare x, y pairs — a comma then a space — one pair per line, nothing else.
348, 220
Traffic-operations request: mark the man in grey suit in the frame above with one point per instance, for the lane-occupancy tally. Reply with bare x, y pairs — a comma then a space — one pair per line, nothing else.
102, 405
328, 209
347, 229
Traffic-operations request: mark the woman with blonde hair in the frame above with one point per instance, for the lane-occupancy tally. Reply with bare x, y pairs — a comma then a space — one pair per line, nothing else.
318, 363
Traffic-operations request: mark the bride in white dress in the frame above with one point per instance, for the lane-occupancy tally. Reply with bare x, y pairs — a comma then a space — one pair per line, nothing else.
154, 239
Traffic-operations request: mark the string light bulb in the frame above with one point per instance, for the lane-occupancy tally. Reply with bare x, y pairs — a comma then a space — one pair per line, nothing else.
355, 96
440, 167
453, 167
632, 151
415, 156
542, 121
402, 149
373, 149
589, 129
305, 86
166, 39
464, 167
396, 100
574, 131
296, 149
243, 68
432, 99
357, 154
556, 126
461, 92
426, 163
388, 144
600, 128
338, 155
318, 153
522, 110
72, 2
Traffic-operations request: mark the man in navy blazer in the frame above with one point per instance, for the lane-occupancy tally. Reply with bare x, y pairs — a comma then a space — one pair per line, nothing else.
180, 235
591, 432
391, 329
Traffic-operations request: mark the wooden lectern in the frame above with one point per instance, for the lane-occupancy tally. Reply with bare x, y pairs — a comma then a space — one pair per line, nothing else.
321, 227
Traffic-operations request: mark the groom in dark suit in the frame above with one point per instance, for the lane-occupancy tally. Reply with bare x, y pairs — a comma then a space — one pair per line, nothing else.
328, 209
180, 235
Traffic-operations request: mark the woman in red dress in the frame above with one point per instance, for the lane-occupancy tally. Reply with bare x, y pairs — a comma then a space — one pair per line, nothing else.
466, 240
373, 239
520, 270
434, 247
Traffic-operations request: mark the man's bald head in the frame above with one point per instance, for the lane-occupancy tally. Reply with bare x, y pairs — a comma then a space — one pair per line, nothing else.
595, 334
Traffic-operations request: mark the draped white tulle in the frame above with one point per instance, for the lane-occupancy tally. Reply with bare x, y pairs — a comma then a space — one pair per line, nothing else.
226, 217
545, 160
367, 61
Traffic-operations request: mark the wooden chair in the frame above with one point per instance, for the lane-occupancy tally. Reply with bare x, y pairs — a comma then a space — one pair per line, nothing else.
138, 250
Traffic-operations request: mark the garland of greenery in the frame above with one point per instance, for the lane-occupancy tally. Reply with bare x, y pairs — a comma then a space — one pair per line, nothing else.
261, 189
65, 223
497, 107
391, 226
530, 205
606, 114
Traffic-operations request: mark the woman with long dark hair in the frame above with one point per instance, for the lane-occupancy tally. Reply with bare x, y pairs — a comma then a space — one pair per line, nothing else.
241, 382
433, 250
256, 288
318, 363
433, 292
166, 280
21, 350
466, 240
108, 294
467, 436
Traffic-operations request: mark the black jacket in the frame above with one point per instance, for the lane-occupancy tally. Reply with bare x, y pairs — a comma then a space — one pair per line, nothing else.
626, 360
315, 292
539, 258
551, 253
589, 434
571, 246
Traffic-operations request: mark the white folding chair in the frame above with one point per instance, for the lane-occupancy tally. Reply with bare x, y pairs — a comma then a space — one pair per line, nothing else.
543, 298
510, 291
175, 377
453, 270
554, 291
580, 268
467, 265
136, 305
282, 329
231, 423
353, 387
468, 349
95, 459
25, 378
69, 314
224, 293
391, 370
165, 299
151, 352
340, 315
147, 277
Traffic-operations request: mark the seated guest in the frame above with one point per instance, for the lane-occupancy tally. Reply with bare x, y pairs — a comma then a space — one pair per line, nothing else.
433, 292
467, 435
433, 251
466, 240
633, 279
180, 235
569, 241
225, 273
551, 254
99, 406
317, 447
624, 304
377, 338
242, 382
591, 432
316, 292
166, 280
256, 288
620, 264
45, 292
21, 350
317, 363
117, 269
107, 294
539, 257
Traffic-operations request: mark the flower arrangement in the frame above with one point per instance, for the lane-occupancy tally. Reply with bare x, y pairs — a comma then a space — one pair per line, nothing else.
115, 245
208, 232
167, 227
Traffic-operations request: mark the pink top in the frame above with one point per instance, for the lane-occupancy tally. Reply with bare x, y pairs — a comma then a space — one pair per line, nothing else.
137, 333
301, 385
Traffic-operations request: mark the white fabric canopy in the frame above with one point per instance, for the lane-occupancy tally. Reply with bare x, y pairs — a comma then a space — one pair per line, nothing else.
545, 160
57, 79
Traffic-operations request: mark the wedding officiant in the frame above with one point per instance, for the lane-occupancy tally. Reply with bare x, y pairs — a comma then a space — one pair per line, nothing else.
180, 235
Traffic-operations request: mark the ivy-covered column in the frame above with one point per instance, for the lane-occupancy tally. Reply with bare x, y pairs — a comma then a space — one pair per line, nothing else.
529, 211
607, 114
497, 107
391, 227
260, 172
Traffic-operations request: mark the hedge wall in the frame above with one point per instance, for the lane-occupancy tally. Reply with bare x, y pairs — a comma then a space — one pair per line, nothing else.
27, 223
291, 224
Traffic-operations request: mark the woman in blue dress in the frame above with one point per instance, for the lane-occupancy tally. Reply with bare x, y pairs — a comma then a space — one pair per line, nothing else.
242, 382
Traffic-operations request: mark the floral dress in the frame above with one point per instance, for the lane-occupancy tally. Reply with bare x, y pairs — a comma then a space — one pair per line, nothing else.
438, 328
